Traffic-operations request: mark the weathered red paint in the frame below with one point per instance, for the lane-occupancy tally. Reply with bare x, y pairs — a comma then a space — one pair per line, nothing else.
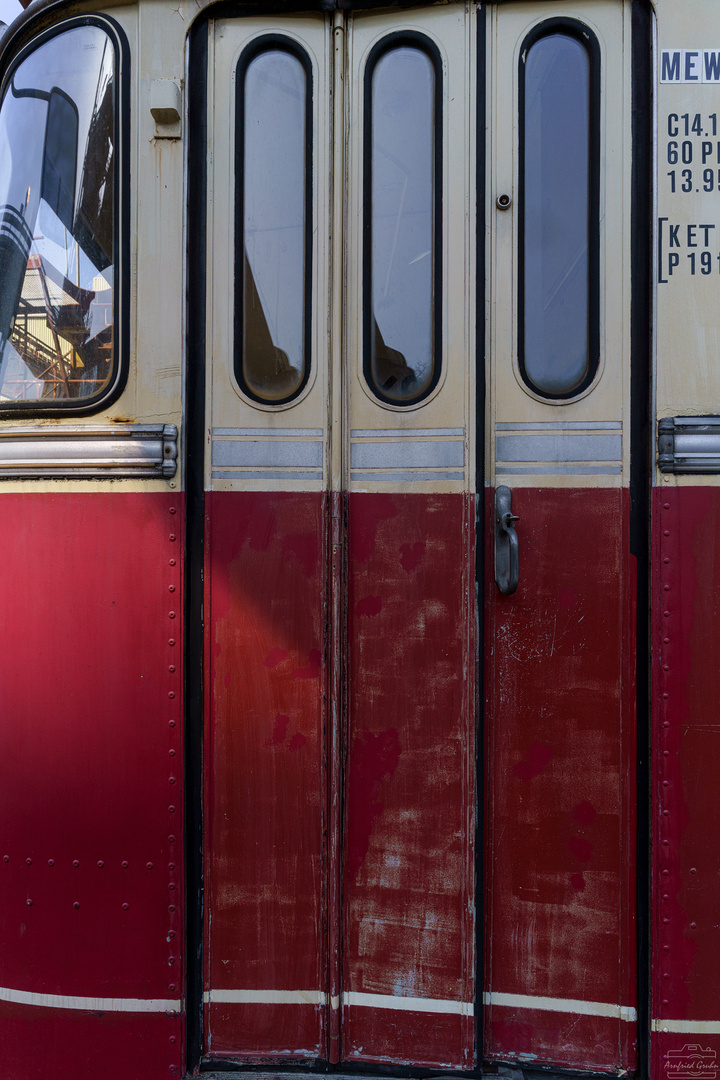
91, 799
266, 898
686, 748
409, 806
560, 752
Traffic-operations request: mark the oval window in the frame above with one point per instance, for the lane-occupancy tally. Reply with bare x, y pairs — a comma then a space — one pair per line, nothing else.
57, 224
274, 227
558, 256
402, 265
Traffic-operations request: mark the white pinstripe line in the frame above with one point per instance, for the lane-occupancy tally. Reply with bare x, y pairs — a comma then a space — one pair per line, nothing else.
569, 1005
90, 1004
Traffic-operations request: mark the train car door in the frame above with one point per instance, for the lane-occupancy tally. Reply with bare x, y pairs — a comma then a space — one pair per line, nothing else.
339, 461
560, 649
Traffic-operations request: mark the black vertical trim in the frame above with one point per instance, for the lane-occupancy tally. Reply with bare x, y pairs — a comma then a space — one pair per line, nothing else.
194, 530
480, 523
640, 471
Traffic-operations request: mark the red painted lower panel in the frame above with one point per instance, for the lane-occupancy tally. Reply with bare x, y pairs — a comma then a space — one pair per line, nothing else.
409, 802
265, 768
554, 1037
91, 799
686, 809
560, 746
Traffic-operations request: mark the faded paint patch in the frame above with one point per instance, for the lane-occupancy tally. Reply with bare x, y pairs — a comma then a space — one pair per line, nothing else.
369, 605
305, 548
312, 670
411, 555
275, 657
537, 757
374, 756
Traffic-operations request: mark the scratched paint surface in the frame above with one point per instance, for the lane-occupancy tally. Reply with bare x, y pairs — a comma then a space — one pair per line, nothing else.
560, 725
91, 794
409, 786
686, 748
266, 583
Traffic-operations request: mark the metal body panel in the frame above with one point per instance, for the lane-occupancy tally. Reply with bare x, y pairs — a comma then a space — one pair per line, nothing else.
91, 800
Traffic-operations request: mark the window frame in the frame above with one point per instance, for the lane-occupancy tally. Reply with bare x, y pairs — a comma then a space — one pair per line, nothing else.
582, 33
77, 407
414, 39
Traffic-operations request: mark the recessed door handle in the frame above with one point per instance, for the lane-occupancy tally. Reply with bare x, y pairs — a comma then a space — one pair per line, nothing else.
507, 552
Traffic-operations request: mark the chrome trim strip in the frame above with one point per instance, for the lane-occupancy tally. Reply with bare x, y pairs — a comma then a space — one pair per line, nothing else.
399, 433
563, 425
267, 453
558, 447
71, 451
395, 477
407, 454
689, 444
558, 470
267, 474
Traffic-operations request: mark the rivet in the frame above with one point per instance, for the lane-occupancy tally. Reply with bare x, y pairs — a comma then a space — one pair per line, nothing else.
172, 753
171, 986
171, 614
665, 696
29, 862
666, 723
125, 864
172, 536
172, 886
665, 1030
666, 640
666, 506
171, 809
666, 533
666, 588
51, 862
76, 862
171, 934
171, 960
666, 896
171, 641
693, 870
173, 1068
173, 1038
666, 667
171, 866
171, 838
666, 873
666, 948
171, 694
171, 780
100, 863
666, 842
665, 813
173, 510
666, 560
666, 974
666, 614
149, 865
693, 925
76, 904
666, 921
666, 783
171, 667
171, 723
6, 858
172, 562
666, 753
125, 906
171, 907
171, 588
29, 903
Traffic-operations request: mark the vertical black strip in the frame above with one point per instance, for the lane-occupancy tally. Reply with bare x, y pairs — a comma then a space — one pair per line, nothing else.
480, 523
194, 530
640, 471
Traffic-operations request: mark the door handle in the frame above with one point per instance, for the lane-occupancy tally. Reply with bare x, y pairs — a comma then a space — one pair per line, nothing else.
507, 553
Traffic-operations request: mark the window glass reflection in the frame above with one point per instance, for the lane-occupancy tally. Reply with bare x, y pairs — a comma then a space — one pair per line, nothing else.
274, 265
557, 214
402, 202
57, 258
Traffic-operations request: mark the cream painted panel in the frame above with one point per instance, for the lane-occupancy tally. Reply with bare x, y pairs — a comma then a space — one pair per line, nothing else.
430, 446
687, 221
585, 441
251, 446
